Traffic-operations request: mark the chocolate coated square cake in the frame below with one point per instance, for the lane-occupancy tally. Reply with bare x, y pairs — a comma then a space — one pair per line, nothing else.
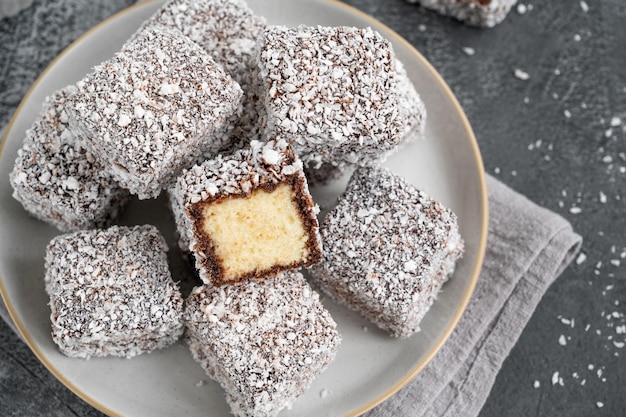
154, 108
111, 292
388, 249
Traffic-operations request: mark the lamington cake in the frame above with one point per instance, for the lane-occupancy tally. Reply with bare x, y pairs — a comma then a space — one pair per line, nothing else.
482, 13
336, 93
111, 292
57, 180
228, 30
388, 249
411, 109
153, 109
247, 215
264, 342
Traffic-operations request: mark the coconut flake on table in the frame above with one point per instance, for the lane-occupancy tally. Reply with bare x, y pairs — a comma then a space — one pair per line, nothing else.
520, 74
584, 6
468, 50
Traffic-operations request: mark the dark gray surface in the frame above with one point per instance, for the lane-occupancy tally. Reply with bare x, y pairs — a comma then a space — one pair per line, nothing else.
558, 162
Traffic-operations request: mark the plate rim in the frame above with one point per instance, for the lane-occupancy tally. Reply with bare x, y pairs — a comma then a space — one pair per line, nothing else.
481, 247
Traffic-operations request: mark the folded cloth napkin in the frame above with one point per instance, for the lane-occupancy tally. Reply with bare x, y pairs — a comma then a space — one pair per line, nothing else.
527, 249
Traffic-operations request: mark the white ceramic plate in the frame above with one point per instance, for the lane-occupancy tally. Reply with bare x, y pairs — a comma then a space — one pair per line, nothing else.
370, 366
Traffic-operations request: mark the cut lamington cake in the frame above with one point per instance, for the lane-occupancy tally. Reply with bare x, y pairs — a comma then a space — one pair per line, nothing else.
155, 108
247, 215
336, 93
111, 292
57, 180
264, 342
388, 249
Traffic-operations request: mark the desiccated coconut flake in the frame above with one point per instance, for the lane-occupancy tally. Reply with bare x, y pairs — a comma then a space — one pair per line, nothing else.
168, 89
124, 120
556, 379
70, 183
271, 156
584, 6
324, 392
522, 75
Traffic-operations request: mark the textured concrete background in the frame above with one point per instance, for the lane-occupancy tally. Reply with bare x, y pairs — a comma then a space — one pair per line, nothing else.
559, 137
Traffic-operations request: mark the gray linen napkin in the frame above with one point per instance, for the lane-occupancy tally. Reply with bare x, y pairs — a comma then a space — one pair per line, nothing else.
528, 247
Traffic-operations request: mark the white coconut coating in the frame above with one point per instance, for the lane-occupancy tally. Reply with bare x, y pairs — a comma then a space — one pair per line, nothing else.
111, 292
264, 342
228, 30
154, 108
57, 180
388, 249
336, 93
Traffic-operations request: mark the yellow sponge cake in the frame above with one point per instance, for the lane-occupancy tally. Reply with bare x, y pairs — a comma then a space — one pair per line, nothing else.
247, 215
